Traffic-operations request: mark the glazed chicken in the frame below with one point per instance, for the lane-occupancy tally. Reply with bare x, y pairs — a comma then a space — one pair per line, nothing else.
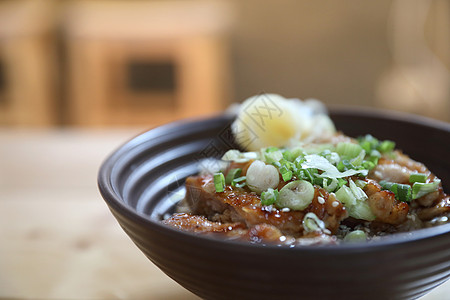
331, 212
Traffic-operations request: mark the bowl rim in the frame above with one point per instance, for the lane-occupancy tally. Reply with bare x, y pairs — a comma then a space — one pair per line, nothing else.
115, 202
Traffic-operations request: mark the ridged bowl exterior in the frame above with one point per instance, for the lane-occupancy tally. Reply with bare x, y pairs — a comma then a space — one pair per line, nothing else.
140, 180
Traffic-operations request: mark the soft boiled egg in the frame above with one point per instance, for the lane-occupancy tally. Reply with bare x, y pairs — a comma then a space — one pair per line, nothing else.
268, 120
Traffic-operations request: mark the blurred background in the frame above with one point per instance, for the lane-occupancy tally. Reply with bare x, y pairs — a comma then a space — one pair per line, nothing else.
100, 63
78, 78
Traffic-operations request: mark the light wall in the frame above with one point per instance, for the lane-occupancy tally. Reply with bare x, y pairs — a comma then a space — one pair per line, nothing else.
392, 54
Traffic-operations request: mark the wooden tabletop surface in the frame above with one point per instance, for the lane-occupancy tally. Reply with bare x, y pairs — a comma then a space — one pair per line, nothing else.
58, 239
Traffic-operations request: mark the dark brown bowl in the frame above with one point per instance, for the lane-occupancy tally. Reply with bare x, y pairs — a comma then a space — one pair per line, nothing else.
140, 179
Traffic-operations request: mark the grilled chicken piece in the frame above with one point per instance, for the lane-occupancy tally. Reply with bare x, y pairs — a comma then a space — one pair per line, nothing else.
441, 208
387, 209
261, 233
405, 161
398, 169
238, 205
200, 224
384, 205
390, 172
264, 233
196, 223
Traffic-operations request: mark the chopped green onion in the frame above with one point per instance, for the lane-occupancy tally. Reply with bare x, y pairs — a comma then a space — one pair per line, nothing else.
240, 185
357, 161
231, 155
421, 189
368, 165
320, 181
356, 236
298, 161
360, 183
277, 164
296, 195
261, 176
237, 156
273, 156
344, 165
286, 174
402, 191
311, 223
308, 174
375, 153
386, 185
341, 182
239, 182
331, 186
348, 150
271, 149
288, 155
361, 211
386, 146
368, 142
357, 191
232, 174
219, 182
345, 195
417, 177
354, 201
333, 158
269, 197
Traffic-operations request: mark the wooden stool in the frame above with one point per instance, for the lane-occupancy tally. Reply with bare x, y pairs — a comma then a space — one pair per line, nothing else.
146, 63
27, 64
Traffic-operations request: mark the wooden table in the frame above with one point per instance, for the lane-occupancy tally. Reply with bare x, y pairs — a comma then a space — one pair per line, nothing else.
58, 239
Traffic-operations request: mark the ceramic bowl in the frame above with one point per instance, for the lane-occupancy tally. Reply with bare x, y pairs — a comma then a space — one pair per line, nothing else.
143, 180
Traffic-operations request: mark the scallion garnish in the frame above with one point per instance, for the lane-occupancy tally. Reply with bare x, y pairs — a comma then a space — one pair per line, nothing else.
348, 150
271, 149
232, 174
368, 165
219, 182
296, 195
288, 155
311, 223
358, 160
360, 183
239, 182
272, 156
344, 165
386, 146
402, 191
368, 142
417, 177
354, 200
308, 174
285, 173
341, 182
421, 189
269, 197
356, 236
386, 185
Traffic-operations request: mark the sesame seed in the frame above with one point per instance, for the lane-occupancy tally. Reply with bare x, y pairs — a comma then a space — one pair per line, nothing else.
320, 200
286, 209
335, 204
